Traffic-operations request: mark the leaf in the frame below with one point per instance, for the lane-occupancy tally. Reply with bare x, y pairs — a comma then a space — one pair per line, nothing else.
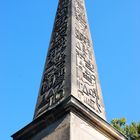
132, 131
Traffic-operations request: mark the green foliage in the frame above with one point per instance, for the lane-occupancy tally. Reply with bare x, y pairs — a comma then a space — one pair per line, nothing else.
132, 131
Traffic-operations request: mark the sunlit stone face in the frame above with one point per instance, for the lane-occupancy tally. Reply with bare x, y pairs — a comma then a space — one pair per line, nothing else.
70, 68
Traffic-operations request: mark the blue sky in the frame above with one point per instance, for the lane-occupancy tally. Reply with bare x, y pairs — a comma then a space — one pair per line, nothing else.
25, 29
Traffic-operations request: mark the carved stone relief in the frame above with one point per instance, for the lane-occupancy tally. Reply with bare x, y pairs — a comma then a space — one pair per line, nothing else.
86, 77
52, 87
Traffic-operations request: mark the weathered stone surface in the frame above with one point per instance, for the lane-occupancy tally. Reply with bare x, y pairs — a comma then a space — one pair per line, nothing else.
71, 126
59, 130
70, 104
70, 68
84, 76
81, 130
56, 80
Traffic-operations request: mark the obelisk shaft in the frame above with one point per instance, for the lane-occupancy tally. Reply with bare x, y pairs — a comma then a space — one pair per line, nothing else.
86, 85
70, 68
56, 80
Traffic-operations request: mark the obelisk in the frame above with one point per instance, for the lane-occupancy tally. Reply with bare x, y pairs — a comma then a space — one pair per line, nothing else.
70, 68
70, 104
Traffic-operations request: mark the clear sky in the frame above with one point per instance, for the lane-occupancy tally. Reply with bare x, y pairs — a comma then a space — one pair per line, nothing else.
25, 29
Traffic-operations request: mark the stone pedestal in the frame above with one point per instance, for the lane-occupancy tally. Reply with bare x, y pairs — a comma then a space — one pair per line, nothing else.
72, 122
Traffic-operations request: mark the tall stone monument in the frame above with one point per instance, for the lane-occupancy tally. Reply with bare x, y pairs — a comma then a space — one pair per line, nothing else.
70, 104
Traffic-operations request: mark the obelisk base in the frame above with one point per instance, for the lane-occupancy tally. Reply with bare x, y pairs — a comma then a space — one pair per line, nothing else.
59, 130
69, 121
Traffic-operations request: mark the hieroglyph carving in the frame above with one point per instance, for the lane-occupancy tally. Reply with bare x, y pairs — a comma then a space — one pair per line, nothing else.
86, 76
52, 88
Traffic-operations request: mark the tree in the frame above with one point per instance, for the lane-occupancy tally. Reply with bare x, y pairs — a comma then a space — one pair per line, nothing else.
132, 131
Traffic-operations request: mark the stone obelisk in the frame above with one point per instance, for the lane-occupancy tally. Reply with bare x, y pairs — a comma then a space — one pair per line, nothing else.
70, 104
